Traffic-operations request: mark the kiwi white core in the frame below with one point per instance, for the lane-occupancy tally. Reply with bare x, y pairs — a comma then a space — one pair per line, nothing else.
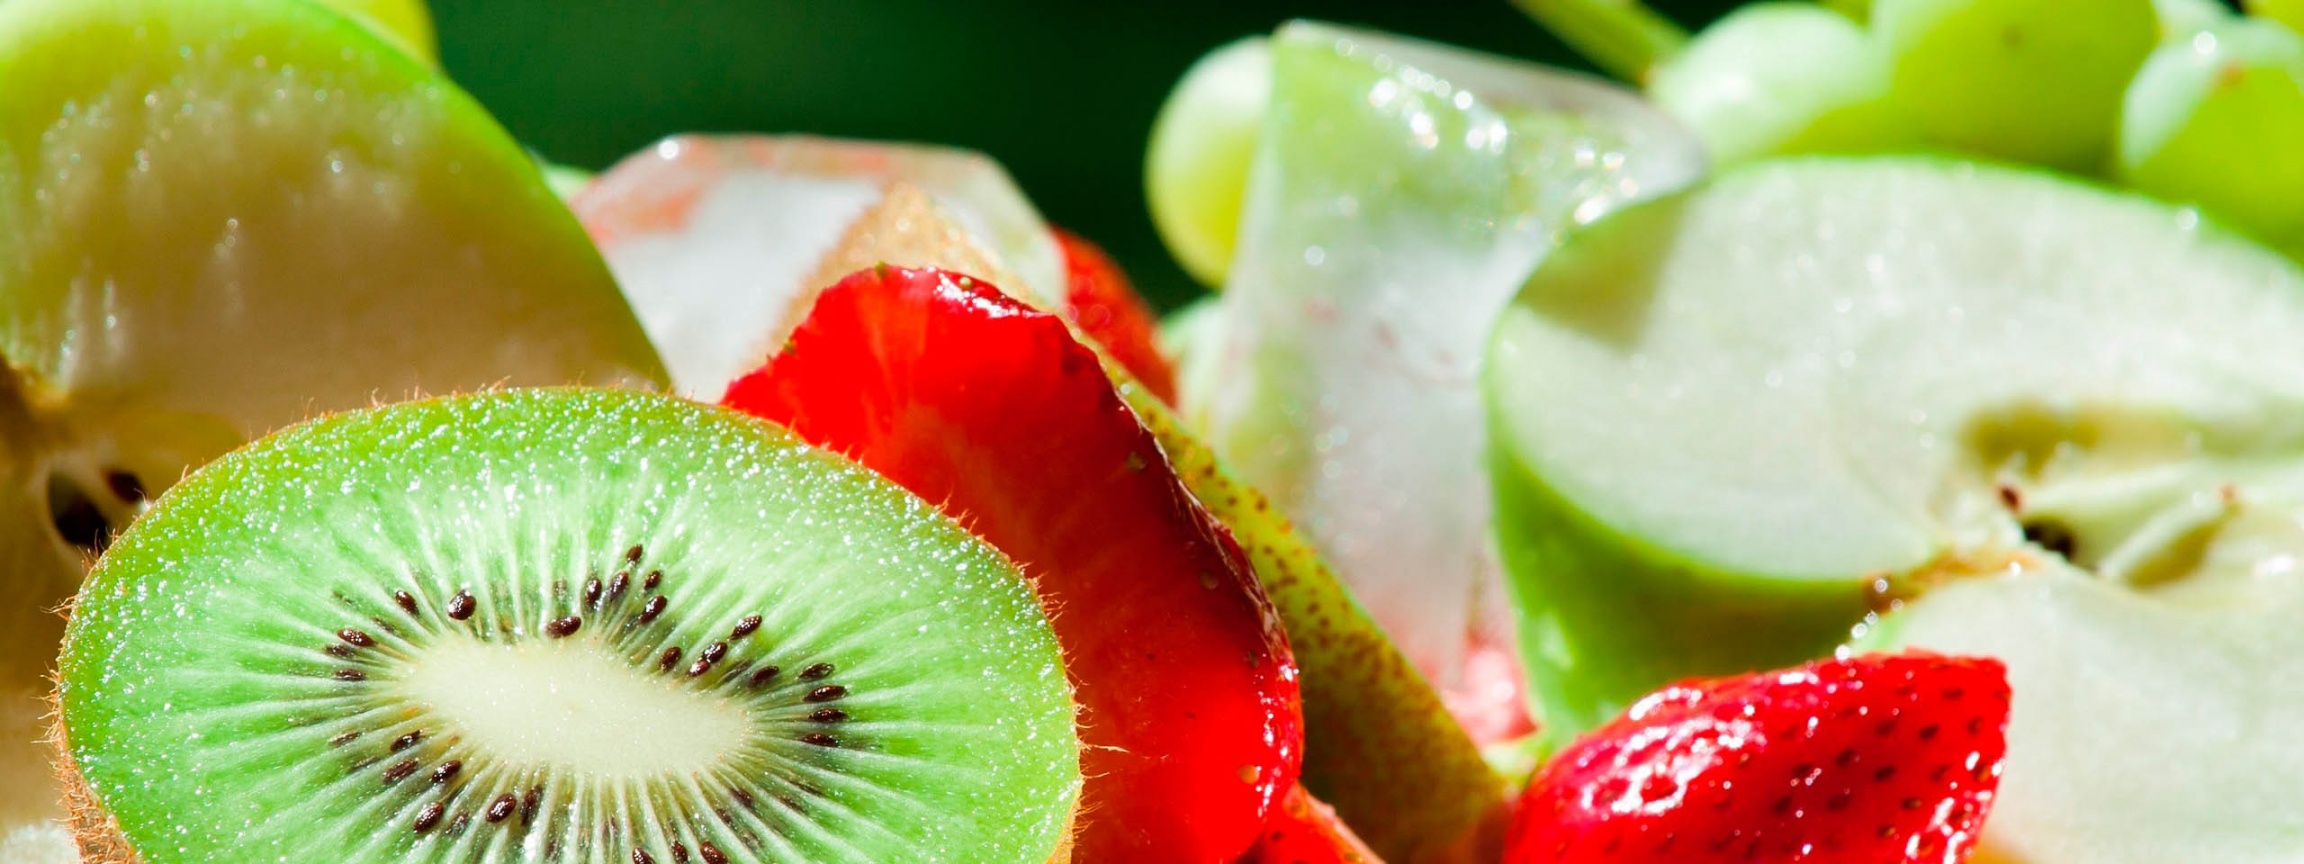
572, 706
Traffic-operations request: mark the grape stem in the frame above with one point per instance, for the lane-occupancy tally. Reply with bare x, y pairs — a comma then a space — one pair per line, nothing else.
1622, 37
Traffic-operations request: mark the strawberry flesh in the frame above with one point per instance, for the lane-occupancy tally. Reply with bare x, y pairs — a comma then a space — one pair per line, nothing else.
1187, 690
1303, 830
1879, 759
1100, 299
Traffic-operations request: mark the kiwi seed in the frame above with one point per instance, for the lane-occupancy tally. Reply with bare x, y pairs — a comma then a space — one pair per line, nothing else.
384, 636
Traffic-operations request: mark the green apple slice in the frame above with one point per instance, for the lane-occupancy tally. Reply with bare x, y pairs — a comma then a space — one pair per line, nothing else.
219, 217
1400, 192
2021, 416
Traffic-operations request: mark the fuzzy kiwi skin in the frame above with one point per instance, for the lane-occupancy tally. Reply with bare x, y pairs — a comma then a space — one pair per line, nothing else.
93, 830
610, 416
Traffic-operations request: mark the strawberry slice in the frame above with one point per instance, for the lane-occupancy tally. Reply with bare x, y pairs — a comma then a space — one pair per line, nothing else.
1188, 694
1880, 759
1304, 831
1101, 300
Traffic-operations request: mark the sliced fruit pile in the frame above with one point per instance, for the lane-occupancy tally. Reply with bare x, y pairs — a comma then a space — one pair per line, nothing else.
1813, 511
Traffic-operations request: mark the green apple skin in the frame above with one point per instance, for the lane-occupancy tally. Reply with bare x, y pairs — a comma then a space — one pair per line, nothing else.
1603, 617
220, 217
1968, 354
1593, 644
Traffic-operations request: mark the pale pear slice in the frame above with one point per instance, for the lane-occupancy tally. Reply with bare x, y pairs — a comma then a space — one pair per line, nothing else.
1400, 193
715, 239
2020, 416
219, 217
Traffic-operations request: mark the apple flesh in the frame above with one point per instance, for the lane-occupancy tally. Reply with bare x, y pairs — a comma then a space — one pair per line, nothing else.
1939, 405
224, 216
1400, 193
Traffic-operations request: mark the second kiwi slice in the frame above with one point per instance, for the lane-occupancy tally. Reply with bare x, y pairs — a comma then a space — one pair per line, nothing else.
560, 625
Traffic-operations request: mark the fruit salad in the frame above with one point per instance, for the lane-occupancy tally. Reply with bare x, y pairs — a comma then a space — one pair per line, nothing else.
1868, 435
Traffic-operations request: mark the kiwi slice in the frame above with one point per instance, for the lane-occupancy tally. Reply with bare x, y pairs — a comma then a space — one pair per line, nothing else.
560, 625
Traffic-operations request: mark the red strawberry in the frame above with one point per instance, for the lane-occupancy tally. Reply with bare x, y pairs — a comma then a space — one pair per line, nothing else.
1881, 759
1108, 309
1304, 831
1189, 706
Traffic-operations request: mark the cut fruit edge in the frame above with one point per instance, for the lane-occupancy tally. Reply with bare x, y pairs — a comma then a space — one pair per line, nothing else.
1380, 746
1186, 749
157, 742
1341, 377
2108, 504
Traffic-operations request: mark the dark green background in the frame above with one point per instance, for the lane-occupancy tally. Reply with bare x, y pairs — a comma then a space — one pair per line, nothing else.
1063, 93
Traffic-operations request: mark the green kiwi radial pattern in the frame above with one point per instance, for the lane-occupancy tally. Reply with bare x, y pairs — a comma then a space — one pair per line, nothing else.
565, 625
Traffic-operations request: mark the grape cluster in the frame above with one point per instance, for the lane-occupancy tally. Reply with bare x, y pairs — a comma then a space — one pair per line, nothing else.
2187, 100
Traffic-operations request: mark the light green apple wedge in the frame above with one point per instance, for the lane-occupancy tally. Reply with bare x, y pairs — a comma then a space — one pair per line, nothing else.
1940, 405
219, 217
1400, 193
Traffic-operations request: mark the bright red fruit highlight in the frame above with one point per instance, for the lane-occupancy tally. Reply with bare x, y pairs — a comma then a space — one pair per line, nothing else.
1304, 831
1189, 707
1105, 305
1880, 759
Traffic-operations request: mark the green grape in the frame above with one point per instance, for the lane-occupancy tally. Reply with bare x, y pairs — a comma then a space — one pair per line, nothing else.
2218, 121
1196, 168
2026, 80
1856, 10
1783, 78
2289, 12
406, 22
2180, 19
1622, 37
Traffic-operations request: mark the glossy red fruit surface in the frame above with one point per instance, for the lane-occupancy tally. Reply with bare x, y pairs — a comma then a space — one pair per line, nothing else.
1304, 831
1188, 693
1100, 299
1879, 759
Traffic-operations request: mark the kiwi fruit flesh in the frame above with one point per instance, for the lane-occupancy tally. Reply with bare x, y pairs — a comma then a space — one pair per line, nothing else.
222, 216
559, 625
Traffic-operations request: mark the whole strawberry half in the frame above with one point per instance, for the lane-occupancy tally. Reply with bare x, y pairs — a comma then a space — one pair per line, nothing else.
1105, 304
1302, 830
1878, 759
1188, 695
